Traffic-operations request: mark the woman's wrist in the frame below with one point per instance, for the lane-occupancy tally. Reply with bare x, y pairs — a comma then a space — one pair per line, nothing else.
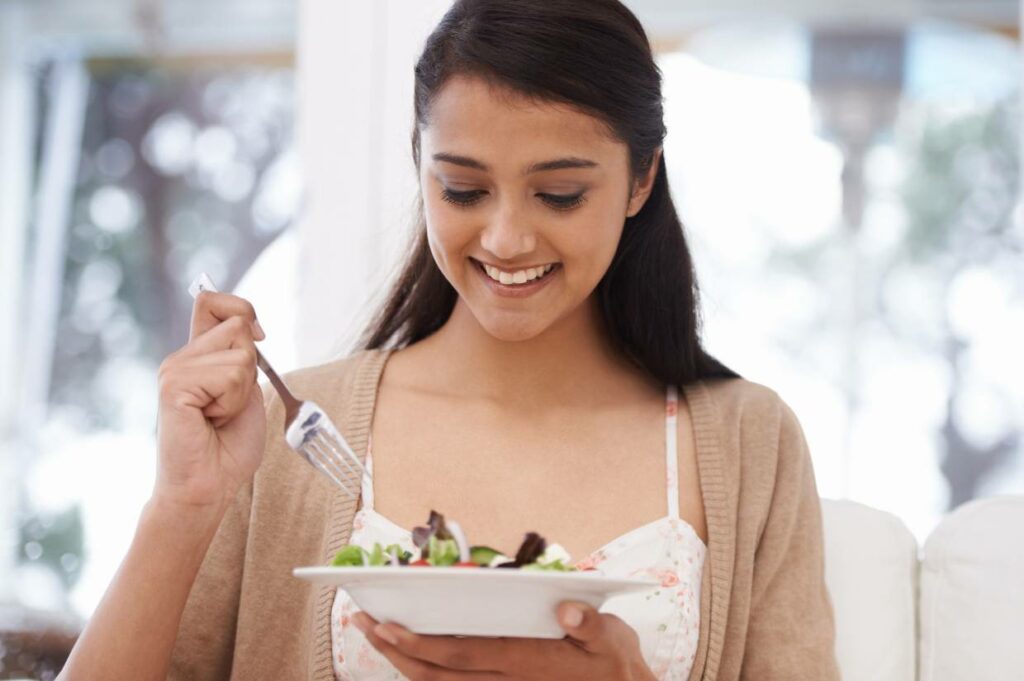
185, 524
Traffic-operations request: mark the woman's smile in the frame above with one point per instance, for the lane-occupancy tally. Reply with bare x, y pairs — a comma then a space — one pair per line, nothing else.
516, 283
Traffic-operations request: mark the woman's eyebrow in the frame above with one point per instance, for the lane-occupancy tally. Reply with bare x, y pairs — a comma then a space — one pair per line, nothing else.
556, 164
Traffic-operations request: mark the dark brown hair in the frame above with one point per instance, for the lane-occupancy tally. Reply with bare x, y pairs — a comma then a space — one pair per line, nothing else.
595, 56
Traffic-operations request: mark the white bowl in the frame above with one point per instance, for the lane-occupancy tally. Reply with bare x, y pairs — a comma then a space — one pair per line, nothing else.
465, 601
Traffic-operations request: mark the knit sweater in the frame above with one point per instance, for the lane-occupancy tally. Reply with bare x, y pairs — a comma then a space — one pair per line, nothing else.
765, 611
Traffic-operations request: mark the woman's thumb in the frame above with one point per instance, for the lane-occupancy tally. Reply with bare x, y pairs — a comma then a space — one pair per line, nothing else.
582, 622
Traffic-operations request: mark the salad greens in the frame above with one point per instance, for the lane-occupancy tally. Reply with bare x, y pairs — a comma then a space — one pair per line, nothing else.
443, 544
351, 554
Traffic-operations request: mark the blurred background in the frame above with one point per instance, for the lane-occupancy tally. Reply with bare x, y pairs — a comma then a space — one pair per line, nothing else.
848, 174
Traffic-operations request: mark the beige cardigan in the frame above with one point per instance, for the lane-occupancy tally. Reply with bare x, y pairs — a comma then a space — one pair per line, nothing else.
765, 612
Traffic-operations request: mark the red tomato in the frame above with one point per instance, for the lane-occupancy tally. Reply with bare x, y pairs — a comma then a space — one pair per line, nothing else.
420, 562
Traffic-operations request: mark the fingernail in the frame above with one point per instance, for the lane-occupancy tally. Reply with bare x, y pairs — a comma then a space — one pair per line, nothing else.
259, 330
573, 617
386, 634
360, 622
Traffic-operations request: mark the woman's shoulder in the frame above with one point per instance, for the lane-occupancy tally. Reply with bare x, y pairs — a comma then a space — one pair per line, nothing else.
748, 419
739, 401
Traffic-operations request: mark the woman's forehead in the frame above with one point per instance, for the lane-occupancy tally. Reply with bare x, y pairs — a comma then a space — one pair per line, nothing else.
469, 114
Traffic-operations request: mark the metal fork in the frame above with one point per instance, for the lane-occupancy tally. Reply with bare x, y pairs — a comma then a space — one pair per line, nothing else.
307, 429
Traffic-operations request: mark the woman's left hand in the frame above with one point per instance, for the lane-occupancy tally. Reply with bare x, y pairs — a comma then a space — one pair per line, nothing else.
598, 647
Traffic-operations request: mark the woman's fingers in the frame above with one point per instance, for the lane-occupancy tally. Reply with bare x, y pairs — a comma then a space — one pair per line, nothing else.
234, 332
210, 309
525, 658
465, 654
244, 356
415, 668
216, 371
218, 384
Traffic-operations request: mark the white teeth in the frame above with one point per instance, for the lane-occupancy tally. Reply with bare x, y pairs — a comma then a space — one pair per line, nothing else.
520, 277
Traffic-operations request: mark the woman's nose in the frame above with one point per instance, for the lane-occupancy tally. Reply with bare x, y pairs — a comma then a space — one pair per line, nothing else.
508, 233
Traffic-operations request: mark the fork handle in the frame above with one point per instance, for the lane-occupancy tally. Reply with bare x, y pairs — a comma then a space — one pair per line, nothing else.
291, 404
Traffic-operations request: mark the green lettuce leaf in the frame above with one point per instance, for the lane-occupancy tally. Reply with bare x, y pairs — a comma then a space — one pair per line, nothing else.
443, 552
350, 554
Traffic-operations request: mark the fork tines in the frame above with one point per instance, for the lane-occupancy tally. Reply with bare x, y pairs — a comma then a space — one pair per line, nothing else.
332, 456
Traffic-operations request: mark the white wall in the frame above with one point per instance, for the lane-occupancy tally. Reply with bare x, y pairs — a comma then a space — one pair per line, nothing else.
355, 64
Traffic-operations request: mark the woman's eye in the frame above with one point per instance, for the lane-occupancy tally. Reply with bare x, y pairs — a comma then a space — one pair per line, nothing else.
561, 202
557, 201
461, 198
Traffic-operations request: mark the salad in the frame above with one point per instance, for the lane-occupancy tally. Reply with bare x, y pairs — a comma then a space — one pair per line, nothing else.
442, 543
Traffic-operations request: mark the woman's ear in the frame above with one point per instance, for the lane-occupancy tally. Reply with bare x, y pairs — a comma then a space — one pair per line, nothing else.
642, 187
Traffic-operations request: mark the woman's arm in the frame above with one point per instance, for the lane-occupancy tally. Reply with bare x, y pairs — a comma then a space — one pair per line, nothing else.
132, 632
205, 646
791, 632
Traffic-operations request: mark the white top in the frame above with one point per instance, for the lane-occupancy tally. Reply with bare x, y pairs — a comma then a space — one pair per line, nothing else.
667, 620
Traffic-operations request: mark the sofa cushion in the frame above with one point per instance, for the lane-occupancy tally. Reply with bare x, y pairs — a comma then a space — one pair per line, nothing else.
972, 594
871, 562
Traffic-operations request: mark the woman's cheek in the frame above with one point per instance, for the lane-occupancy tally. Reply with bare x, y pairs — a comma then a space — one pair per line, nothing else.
589, 251
439, 228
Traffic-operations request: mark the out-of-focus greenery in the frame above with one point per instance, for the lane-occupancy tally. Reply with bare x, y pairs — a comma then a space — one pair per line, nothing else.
55, 540
960, 195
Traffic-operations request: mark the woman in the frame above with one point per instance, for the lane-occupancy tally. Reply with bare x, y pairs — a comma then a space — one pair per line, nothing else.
523, 375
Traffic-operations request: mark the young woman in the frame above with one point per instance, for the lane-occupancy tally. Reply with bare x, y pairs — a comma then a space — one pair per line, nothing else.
537, 367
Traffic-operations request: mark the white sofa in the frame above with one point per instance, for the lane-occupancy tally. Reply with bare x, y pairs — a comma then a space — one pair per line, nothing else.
952, 610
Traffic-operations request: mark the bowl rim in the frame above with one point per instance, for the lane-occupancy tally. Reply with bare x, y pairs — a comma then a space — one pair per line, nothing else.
445, 573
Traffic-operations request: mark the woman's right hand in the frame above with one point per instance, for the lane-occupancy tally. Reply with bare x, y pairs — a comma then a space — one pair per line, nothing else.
211, 420
210, 436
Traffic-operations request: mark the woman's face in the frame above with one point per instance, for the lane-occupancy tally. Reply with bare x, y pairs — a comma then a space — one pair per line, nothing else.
534, 195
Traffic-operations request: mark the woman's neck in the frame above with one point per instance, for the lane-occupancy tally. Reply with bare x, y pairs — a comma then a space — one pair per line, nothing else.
572, 358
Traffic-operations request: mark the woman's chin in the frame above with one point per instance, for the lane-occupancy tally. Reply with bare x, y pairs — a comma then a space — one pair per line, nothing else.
512, 330
513, 335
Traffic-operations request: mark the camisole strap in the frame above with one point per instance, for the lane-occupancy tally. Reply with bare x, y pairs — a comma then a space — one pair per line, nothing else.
671, 455
368, 484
